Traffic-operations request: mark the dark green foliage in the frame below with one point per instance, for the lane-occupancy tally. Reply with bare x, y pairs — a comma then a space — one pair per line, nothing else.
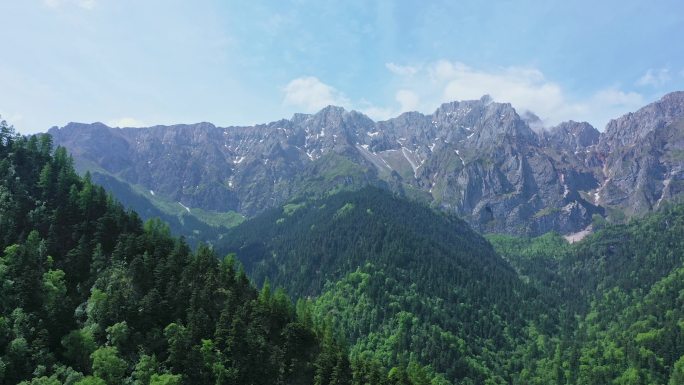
91, 295
404, 283
396, 293
620, 297
407, 285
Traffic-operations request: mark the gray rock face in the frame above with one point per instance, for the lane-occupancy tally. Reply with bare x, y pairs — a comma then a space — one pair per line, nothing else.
571, 136
643, 155
477, 158
629, 129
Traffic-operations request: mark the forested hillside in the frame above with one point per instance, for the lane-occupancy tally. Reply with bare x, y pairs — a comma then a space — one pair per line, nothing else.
91, 295
409, 285
620, 296
396, 293
405, 283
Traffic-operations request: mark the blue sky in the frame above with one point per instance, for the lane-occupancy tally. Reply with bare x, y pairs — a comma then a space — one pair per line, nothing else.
140, 62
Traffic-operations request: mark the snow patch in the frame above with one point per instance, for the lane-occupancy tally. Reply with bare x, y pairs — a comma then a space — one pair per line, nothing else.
566, 189
597, 193
385, 162
666, 184
414, 166
185, 207
460, 157
373, 157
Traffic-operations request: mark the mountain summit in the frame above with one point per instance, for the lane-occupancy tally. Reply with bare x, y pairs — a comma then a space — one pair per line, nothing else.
479, 159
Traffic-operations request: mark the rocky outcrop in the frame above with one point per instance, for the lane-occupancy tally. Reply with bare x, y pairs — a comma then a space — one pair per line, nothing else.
480, 159
571, 136
643, 155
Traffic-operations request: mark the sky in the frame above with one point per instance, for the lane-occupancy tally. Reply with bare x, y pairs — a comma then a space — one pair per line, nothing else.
147, 62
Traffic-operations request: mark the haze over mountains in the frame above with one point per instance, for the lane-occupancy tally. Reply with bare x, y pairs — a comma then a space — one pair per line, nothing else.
479, 159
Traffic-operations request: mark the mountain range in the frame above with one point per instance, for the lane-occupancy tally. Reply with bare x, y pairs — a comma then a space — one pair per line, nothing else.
482, 160
388, 290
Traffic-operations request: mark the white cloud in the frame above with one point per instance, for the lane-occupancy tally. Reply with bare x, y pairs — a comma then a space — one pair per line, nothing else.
85, 4
126, 122
655, 77
423, 88
408, 100
379, 113
311, 94
11, 119
401, 70
526, 88
614, 97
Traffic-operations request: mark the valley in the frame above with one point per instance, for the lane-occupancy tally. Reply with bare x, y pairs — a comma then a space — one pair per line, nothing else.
370, 284
341, 192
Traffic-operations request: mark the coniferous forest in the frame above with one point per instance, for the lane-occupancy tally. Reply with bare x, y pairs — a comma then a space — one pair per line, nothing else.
358, 287
92, 295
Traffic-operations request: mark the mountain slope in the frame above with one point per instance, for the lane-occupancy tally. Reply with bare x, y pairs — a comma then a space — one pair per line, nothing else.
619, 298
408, 284
403, 281
476, 158
644, 157
89, 294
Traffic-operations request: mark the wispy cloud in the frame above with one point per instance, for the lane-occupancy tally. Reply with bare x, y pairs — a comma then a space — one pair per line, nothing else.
311, 94
614, 97
85, 4
11, 119
126, 122
423, 88
526, 88
408, 100
655, 77
402, 70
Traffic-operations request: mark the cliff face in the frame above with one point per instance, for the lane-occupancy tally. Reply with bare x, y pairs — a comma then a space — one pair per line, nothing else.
643, 156
477, 158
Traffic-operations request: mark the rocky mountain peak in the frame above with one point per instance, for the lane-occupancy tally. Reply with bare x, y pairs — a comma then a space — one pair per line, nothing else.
478, 158
631, 127
331, 112
532, 120
571, 136
298, 118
